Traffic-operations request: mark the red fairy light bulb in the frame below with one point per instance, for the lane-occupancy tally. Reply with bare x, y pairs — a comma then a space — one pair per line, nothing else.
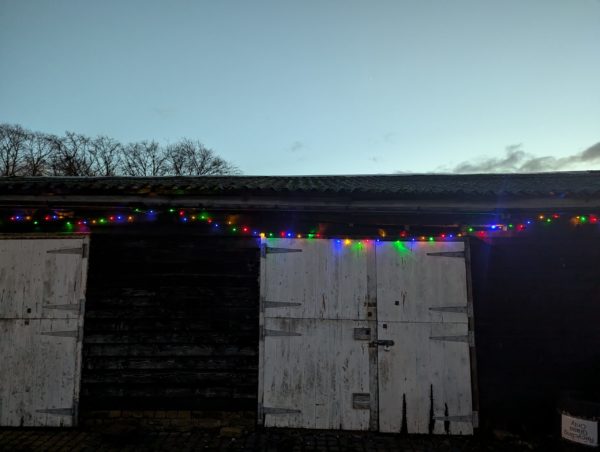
181, 213
245, 229
593, 219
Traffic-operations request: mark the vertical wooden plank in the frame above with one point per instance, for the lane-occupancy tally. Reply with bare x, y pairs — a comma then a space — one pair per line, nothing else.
315, 372
373, 352
410, 281
422, 378
79, 294
261, 341
319, 366
39, 371
472, 351
41, 347
21, 279
326, 280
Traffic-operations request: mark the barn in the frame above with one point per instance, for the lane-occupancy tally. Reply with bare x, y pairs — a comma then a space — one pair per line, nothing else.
434, 304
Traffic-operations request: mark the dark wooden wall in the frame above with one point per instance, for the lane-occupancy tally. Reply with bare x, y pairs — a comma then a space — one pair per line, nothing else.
537, 326
171, 322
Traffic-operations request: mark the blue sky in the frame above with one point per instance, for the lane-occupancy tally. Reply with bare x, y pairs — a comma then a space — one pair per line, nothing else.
311, 87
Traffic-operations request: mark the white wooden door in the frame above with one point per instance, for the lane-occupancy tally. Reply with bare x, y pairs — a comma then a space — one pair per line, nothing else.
425, 376
365, 337
42, 289
313, 372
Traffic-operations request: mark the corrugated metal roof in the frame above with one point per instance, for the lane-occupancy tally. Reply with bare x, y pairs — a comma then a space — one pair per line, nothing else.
572, 184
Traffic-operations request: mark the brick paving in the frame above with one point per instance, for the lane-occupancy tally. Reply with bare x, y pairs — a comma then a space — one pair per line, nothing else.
286, 440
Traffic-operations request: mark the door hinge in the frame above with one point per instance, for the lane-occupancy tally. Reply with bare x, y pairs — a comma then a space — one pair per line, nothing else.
473, 418
264, 250
460, 254
468, 338
267, 332
361, 401
277, 411
58, 411
74, 333
460, 309
83, 251
280, 304
62, 307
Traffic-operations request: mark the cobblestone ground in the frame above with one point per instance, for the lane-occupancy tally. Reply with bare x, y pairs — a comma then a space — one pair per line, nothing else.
271, 440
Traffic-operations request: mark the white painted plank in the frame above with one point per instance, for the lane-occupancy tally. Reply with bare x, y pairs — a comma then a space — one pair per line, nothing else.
38, 371
316, 373
34, 282
410, 282
328, 279
418, 368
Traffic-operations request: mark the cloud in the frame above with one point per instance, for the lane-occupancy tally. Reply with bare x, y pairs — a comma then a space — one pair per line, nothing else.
516, 160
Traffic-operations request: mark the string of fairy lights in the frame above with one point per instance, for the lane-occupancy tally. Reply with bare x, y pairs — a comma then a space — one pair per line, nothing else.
68, 222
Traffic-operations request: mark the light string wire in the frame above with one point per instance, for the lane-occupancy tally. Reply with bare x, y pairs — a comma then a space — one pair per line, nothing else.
228, 225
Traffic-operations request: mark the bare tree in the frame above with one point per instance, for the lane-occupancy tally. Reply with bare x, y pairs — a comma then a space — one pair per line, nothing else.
36, 158
12, 143
26, 153
192, 158
144, 158
71, 155
106, 155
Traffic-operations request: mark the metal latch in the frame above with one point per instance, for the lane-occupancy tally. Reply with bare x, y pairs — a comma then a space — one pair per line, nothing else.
386, 343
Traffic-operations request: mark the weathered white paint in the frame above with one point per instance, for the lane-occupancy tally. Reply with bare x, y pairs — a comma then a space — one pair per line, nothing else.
315, 373
34, 281
419, 369
318, 371
40, 345
327, 279
410, 282
310, 361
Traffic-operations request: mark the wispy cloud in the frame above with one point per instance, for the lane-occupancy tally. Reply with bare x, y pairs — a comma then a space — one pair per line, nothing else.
516, 160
